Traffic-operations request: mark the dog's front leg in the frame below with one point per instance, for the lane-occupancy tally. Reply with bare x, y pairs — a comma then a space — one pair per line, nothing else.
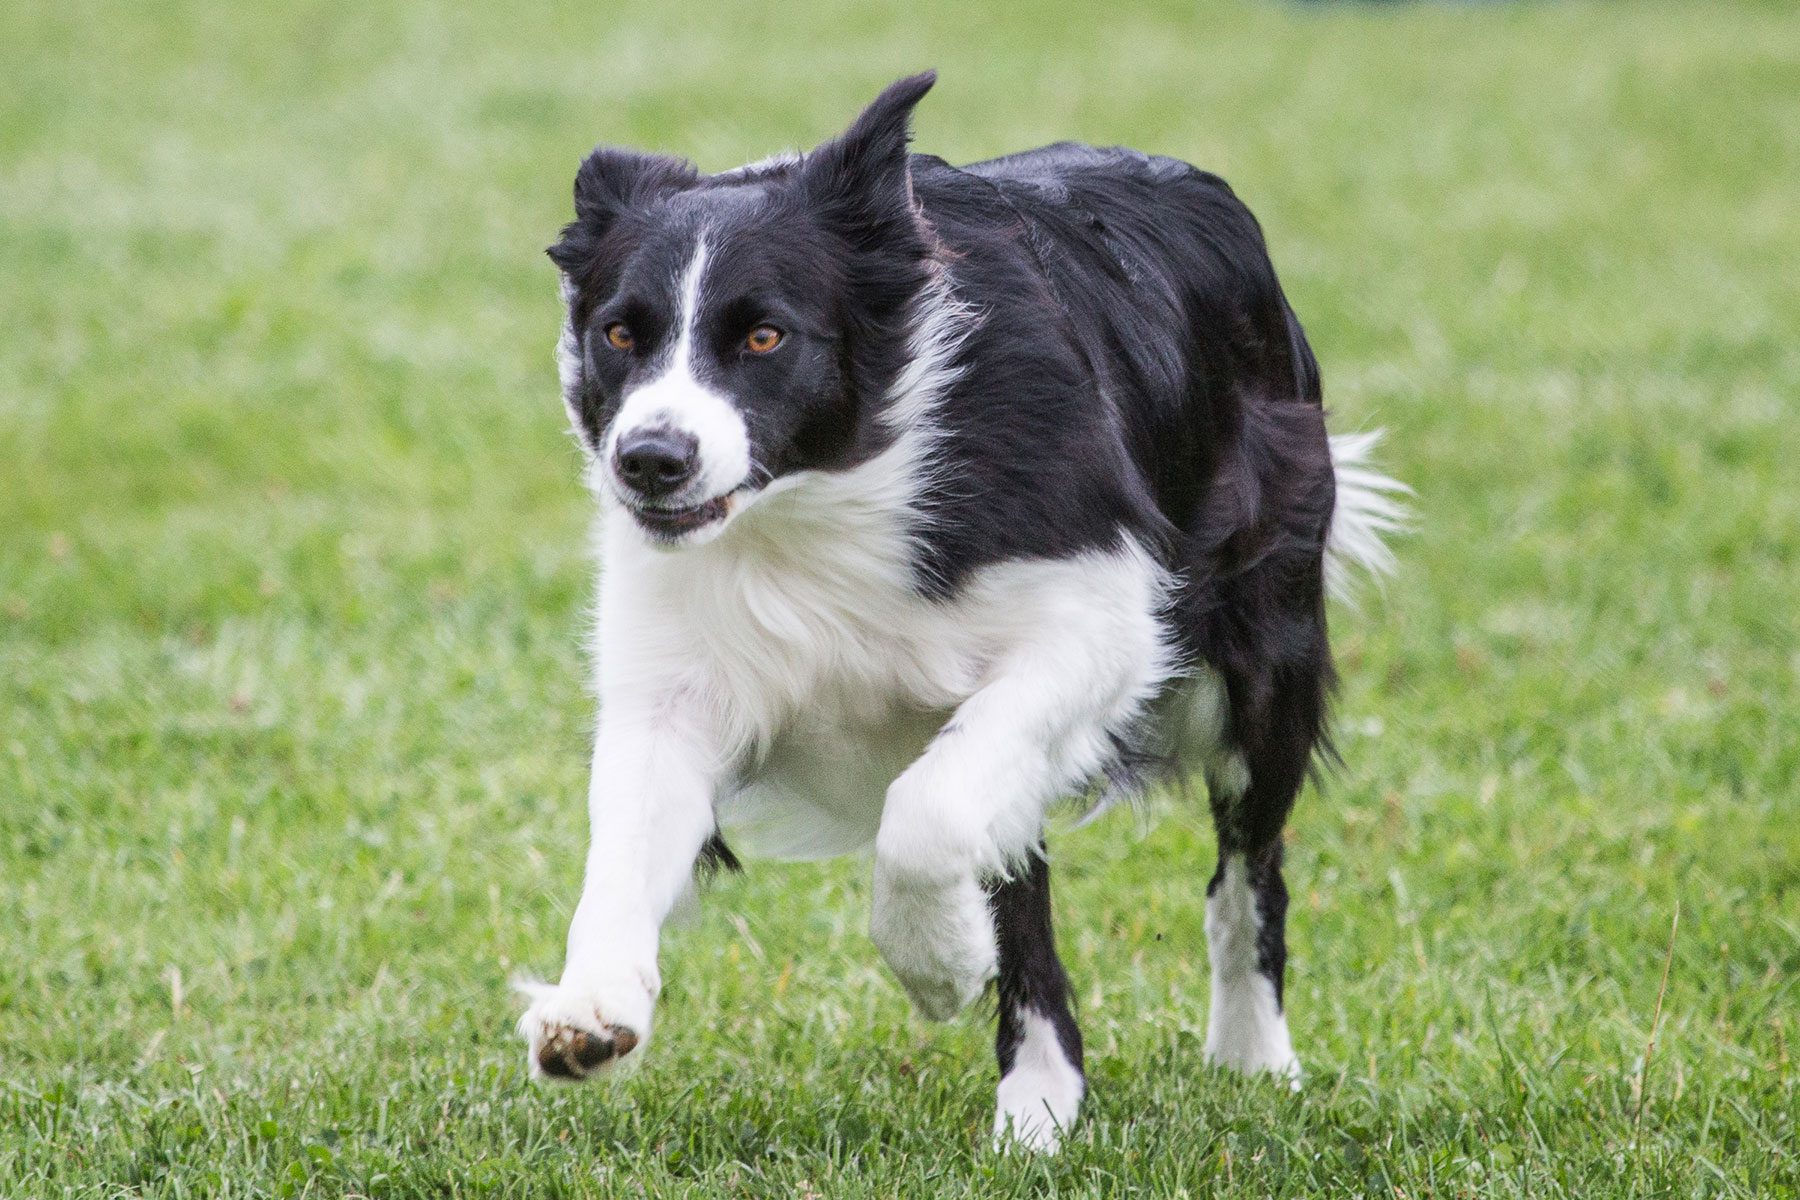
971, 808
650, 811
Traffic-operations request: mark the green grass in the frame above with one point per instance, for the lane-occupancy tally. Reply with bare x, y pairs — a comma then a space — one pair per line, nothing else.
292, 583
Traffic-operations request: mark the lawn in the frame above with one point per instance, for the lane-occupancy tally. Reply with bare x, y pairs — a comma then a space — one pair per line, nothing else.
293, 585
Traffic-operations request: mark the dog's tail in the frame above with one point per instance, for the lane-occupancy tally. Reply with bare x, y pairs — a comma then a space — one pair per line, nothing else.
1369, 510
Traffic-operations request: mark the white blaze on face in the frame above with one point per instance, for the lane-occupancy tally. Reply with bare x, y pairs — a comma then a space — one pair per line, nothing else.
677, 399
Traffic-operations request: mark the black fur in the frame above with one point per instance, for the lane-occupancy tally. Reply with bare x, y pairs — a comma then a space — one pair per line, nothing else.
1031, 975
716, 856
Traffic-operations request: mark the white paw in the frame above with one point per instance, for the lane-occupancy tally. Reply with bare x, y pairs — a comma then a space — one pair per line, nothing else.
574, 1033
1031, 1129
938, 939
1285, 1070
1036, 1110
1040, 1096
1248, 1034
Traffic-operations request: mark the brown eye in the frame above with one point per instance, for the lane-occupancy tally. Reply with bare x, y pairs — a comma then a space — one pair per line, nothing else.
762, 339
619, 337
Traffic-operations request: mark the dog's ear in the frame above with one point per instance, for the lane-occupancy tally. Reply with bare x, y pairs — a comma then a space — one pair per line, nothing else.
861, 178
611, 183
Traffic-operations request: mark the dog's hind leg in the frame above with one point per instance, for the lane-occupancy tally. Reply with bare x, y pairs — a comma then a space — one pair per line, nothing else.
1246, 911
1253, 783
1038, 1042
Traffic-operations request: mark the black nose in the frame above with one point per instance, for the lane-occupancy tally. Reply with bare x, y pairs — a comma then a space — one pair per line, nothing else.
654, 462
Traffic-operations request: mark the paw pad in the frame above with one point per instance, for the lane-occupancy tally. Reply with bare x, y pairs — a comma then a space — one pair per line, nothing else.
567, 1053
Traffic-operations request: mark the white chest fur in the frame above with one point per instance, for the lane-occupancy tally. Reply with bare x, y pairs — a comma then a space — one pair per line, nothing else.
800, 629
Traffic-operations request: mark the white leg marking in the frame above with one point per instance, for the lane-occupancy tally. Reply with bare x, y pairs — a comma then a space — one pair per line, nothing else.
1040, 1096
1245, 1028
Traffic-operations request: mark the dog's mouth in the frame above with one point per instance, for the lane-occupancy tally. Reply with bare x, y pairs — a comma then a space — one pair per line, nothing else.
674, 524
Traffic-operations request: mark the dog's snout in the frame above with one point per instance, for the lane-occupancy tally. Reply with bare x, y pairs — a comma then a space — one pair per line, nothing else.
655, 462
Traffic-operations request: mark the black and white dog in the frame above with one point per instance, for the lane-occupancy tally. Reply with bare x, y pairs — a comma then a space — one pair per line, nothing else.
930, 496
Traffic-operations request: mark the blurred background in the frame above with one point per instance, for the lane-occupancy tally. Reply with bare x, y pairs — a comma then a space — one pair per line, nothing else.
294, 578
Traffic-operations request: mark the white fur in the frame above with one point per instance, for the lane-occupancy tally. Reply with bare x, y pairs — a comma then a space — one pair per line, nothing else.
1245, 1027
1367, 513
809, 605
801, 635
568, 358
1041, 1095
763, 166
937, 936
1193, 719
677, 399
590, 1009
1227, 775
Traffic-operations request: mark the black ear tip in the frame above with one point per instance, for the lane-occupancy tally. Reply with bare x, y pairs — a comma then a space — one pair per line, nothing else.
874, 147
912, 89
889, 112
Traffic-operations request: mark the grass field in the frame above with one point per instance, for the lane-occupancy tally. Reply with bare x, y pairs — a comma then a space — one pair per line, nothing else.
293, 581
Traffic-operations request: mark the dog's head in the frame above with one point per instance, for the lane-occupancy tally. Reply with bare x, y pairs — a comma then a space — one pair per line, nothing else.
726, 331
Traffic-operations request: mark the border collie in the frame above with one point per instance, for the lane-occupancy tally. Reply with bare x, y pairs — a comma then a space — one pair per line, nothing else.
931, 496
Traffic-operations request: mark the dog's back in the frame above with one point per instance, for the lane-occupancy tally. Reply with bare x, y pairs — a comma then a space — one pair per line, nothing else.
1135, 351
